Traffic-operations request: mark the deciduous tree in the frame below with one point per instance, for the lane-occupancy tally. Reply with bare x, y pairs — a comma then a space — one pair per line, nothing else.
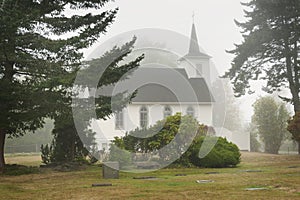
271, 119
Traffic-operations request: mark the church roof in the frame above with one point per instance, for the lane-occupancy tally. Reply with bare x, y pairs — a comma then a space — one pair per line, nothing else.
165, 85
171, 85
194, 50
155, 83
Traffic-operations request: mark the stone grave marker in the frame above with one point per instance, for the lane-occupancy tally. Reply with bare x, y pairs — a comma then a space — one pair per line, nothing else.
110, 170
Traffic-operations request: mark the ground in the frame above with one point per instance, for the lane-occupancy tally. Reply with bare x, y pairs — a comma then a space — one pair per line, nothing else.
277, 177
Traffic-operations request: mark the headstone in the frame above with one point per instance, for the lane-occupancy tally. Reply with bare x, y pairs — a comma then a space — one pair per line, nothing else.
147, 165
212, 172
101, 184
110, 170
256, 188
145, 177
252, 170
204, 181
293, 166
180, 174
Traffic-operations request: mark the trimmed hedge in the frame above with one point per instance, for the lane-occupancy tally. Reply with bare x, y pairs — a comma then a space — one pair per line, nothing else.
224, 154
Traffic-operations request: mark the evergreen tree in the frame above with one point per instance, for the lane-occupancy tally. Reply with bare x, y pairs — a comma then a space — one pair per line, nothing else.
39, 54
76, 142
270, 50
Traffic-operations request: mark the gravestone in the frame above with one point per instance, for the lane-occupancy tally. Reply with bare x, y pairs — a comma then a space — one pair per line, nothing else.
101, 184
205, 181
110, 170
145, 177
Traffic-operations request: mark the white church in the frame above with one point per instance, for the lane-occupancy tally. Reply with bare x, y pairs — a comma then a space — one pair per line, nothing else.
163, 91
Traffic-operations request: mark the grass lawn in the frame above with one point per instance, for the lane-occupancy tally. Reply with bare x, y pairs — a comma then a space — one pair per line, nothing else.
277, 176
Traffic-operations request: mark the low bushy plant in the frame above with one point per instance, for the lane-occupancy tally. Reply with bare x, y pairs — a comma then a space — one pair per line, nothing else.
46, 153
224, 154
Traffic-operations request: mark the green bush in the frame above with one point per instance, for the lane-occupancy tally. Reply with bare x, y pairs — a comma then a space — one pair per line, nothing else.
224, 154
46, 153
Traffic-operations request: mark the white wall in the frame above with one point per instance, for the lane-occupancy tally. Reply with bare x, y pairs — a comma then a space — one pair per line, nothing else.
106, 131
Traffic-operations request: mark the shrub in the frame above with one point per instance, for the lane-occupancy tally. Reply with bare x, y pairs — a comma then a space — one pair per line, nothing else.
224, 154
46, 153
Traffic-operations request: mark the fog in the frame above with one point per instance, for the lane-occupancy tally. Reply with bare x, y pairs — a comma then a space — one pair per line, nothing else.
214, 21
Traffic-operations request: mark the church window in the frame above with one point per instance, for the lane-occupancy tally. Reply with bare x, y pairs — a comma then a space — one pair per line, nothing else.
143, 117
167, 111
190, 111
119, 123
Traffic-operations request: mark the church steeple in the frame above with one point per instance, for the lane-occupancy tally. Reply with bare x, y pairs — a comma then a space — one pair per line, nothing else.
194, 47
195, 62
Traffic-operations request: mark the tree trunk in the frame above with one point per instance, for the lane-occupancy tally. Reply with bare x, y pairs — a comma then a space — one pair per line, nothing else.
293, 83
2, 142
299, 147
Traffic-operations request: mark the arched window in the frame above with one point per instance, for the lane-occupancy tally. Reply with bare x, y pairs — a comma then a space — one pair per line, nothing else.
190, 111
167, 111
143, 117
119, 123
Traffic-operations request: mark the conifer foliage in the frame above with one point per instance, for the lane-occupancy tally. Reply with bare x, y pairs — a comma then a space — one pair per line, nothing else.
40, 53
270, 49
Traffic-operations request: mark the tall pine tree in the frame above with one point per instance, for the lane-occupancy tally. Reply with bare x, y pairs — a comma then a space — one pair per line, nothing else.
39, 54
73, 142
270, 50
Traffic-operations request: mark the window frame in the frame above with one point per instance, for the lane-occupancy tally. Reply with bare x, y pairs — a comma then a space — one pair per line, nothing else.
119, 120
190, 111
166, 112
144, 118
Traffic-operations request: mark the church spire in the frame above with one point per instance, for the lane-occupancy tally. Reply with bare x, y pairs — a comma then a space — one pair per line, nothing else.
194, 49
194, 46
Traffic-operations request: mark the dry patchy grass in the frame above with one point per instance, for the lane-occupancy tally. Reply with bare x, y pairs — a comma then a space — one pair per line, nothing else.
278, 174
24, 159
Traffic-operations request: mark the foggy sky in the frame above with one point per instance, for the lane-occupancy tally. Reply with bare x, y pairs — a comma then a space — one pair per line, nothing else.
214, 21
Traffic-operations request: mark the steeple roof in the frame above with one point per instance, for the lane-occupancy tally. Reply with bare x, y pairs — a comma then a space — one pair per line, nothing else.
194, 49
